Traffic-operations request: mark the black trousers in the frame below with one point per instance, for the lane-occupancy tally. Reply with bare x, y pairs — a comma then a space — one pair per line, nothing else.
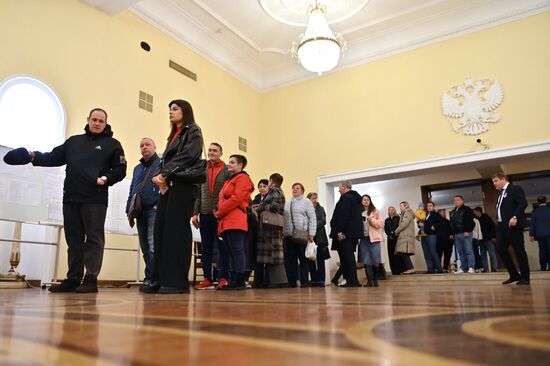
84, 225
444, 249
297, 253
505, 238
173, 236
477, 254
346, 251
396, 261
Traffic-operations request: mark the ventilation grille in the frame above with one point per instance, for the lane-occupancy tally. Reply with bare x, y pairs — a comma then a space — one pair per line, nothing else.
243, 144
182, 70
145, 101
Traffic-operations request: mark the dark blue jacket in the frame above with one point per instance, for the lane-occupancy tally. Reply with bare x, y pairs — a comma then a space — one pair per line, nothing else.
540, 222
150, 192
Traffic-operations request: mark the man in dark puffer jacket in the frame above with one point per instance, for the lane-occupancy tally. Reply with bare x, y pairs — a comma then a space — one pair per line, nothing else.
95, 161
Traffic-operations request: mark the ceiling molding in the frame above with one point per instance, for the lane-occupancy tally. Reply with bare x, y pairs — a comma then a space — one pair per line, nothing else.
242, 57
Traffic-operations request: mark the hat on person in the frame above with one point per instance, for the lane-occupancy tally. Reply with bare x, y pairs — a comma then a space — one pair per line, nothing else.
18, 156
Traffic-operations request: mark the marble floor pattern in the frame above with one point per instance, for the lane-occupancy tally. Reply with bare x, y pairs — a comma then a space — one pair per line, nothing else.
412, 322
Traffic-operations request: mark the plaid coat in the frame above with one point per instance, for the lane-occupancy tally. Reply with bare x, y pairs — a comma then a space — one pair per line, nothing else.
270, 242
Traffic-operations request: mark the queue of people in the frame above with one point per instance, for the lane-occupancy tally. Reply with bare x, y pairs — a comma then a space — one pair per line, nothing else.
267, 235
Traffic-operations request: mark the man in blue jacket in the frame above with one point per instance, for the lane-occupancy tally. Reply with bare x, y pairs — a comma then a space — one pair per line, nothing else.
143, 187
539, 230
95, 161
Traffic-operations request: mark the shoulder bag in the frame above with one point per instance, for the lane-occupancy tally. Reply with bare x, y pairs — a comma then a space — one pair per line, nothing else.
298, 236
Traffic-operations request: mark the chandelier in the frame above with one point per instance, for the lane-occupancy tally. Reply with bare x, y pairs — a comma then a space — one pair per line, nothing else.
318, 49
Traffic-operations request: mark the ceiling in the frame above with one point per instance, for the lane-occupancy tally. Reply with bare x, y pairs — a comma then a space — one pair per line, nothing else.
242, 38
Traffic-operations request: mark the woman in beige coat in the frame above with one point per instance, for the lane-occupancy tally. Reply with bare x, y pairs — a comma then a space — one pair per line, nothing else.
406, 237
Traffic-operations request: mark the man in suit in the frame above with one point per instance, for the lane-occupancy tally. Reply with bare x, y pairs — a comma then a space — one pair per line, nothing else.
346, 227
511, 204
540, 230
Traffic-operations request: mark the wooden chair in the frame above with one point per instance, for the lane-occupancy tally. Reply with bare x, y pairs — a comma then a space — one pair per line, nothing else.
197, 261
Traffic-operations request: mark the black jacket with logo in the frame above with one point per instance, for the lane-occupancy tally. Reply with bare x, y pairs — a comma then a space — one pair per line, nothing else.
88, 157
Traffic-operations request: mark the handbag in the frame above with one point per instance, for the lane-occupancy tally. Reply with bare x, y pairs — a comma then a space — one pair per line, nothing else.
196, 172
271, 220
135, 208
311, 251
298, 236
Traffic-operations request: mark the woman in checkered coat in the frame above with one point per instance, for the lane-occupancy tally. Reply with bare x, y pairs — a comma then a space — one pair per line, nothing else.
270, 267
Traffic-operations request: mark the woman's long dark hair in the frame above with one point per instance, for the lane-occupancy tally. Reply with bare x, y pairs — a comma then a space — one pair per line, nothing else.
187, 113
371, 207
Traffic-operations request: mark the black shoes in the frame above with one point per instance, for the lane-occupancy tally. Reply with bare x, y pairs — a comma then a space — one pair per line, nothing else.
236, 284
149, 289
350, 285
67, 285
511, 280
89, 285
523, 282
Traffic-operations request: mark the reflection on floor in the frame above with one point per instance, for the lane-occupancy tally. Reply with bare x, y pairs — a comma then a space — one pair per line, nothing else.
400, 323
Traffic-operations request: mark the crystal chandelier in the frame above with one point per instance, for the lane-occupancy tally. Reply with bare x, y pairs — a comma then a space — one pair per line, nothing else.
318, 49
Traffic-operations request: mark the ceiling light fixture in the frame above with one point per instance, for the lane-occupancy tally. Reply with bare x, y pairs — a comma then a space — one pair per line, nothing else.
318, 49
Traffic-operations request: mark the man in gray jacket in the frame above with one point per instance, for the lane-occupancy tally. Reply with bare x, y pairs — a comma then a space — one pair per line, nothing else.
203, 219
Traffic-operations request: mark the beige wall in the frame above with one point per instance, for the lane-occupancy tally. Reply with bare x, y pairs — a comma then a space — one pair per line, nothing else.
91, 59
388, 111
384, 112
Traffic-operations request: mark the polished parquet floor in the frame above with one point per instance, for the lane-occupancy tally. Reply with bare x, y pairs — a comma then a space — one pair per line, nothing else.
420, 320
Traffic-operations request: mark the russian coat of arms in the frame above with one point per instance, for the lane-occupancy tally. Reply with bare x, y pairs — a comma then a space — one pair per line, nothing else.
473, 103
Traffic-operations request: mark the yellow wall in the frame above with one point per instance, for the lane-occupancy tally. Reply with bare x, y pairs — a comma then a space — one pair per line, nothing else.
92, 59
384, 112
388, 111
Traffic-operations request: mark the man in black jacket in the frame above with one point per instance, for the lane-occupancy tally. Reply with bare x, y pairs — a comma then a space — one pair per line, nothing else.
346, 226
95, 161
511, 204
462, 225
487, 243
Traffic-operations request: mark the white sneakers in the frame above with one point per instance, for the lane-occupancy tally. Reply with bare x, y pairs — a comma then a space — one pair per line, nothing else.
470, 270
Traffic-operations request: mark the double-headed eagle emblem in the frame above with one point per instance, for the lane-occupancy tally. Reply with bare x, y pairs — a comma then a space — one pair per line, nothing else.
473, 104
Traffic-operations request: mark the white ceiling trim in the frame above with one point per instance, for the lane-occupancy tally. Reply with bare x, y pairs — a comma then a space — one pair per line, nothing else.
235, 31
198, 38
445, 25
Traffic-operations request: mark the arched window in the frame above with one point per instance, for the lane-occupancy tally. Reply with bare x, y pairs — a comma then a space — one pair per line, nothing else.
31, 114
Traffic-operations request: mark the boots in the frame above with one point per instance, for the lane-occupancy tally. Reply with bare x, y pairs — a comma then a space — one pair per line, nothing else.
237, 283
375, 271
370, 276
381, 272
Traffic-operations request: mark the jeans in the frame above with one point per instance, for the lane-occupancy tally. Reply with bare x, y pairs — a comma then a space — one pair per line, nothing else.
145, 224
234, 241
487, 246
429, 247
84, 231
544, 253
464, 246
209, 238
